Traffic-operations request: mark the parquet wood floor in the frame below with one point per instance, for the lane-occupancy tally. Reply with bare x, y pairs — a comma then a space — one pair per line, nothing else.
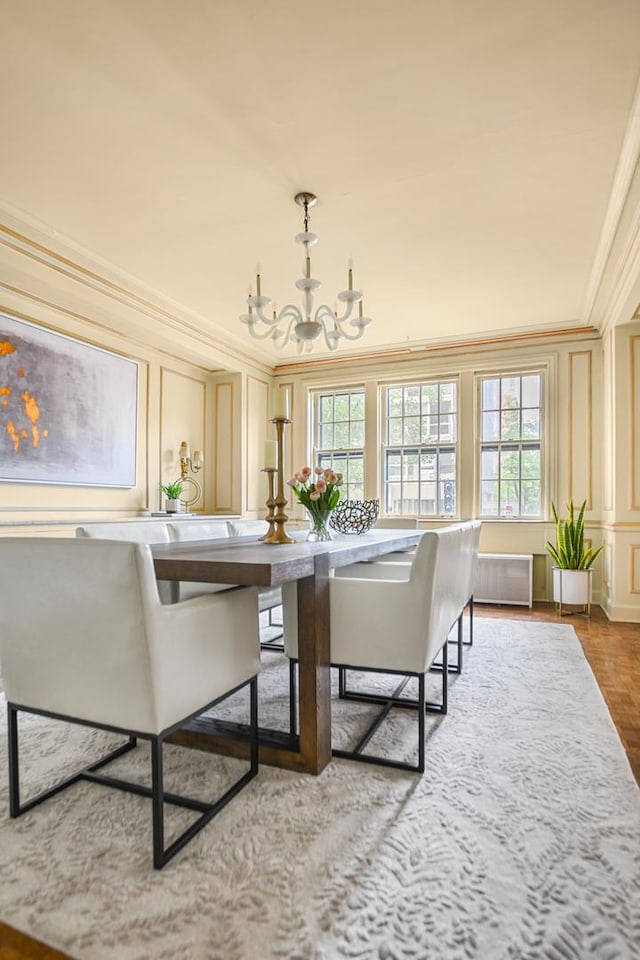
612, 649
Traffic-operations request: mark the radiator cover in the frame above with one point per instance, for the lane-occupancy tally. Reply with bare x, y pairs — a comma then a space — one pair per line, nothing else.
504, 578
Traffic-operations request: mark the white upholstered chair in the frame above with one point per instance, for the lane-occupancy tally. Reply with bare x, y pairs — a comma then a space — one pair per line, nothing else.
142, 531
84, 638
396, 566
396, 626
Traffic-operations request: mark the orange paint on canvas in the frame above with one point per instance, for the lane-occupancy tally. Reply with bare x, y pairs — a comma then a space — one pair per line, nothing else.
21, 372
5, 391
6, 347
31, 407
13, 433
35, 433
24, 434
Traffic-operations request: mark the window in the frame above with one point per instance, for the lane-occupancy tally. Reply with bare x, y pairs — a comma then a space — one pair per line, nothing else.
510, 446
339, 437
420, 451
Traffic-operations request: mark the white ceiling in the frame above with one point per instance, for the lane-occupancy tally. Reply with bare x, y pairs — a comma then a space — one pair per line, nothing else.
463, 151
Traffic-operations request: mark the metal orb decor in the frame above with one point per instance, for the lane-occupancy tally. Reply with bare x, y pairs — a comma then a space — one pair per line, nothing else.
355, 516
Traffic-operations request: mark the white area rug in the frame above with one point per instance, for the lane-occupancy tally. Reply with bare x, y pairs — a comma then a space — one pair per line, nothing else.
521, 840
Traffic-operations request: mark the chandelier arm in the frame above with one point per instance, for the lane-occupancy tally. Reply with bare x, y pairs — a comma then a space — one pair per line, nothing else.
282, 339
270, 321
258, 336
354, 336
290, 310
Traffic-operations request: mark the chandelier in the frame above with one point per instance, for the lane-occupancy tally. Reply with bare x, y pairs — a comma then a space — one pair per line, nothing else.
305, 326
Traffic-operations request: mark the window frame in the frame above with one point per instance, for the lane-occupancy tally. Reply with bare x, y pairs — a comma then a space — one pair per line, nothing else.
542, 371
420, 448
317, 451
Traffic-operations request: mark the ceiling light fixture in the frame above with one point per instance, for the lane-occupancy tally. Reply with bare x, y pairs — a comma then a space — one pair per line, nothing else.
305, 326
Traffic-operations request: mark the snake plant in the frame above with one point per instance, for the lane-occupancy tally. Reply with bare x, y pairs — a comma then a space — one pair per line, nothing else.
569, 552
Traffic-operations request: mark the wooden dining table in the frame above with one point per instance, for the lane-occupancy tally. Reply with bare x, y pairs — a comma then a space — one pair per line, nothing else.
247, 561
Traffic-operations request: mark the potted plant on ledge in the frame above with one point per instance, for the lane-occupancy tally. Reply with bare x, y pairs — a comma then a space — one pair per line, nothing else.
172, 491
573, 563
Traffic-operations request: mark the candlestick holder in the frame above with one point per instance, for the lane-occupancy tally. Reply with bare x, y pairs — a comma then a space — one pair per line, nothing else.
279, 533
271, 502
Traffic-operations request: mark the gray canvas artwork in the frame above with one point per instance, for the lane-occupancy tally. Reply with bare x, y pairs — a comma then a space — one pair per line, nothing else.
68, 411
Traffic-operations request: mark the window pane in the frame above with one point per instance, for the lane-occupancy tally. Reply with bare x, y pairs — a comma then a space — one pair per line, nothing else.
510, 425
448, 395
357, 406
448, 465
412, 401
357, 434
490, 426
395, 437
341, 435
429, 397
489, 495
393, 503
531, 391
394, 402
490, 394
430, 429
448, 427
356, 470
326, 437
326, 409
531, 506
341, 406
510, 393
510, 498
509, 463
530, 424
489, 464
411, 430
531, 462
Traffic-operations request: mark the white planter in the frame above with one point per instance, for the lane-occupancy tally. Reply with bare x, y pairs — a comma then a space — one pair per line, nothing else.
173, 506
572, 586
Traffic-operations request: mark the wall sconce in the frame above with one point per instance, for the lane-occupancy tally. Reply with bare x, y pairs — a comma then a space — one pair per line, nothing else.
195, 464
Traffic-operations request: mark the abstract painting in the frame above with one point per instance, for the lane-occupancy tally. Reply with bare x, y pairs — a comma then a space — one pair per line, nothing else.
68, 410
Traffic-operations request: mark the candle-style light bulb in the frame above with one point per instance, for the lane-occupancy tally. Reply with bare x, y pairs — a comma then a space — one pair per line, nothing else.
350, 274
258, 286
308, 267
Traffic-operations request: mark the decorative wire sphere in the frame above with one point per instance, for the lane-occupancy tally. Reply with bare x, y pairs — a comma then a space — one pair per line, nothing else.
355, 516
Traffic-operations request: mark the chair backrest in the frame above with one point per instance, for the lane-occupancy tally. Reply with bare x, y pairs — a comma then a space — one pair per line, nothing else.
247, 528
447, 573
398, 523
74, 624
198, 530
131, 530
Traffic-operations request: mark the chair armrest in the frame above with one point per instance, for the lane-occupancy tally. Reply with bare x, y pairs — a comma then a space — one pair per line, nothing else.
201, 648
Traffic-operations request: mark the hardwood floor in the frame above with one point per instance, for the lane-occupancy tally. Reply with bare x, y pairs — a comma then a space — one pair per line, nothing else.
612, 649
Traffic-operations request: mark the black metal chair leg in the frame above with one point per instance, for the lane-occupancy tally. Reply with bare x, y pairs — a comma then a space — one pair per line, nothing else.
460, 644
469, 642
445, 678
14, 770
421, 718
157, 802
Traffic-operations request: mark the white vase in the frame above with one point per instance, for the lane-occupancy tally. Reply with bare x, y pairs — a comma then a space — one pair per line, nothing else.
572, 586
173, 506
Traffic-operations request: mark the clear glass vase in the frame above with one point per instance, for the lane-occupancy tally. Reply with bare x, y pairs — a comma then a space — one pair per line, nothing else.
319, 525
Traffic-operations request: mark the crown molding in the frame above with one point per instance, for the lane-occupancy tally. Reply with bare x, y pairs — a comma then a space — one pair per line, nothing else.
630, 255
23, 235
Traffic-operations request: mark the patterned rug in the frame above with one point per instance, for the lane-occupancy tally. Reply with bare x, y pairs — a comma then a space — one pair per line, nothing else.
521, 840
